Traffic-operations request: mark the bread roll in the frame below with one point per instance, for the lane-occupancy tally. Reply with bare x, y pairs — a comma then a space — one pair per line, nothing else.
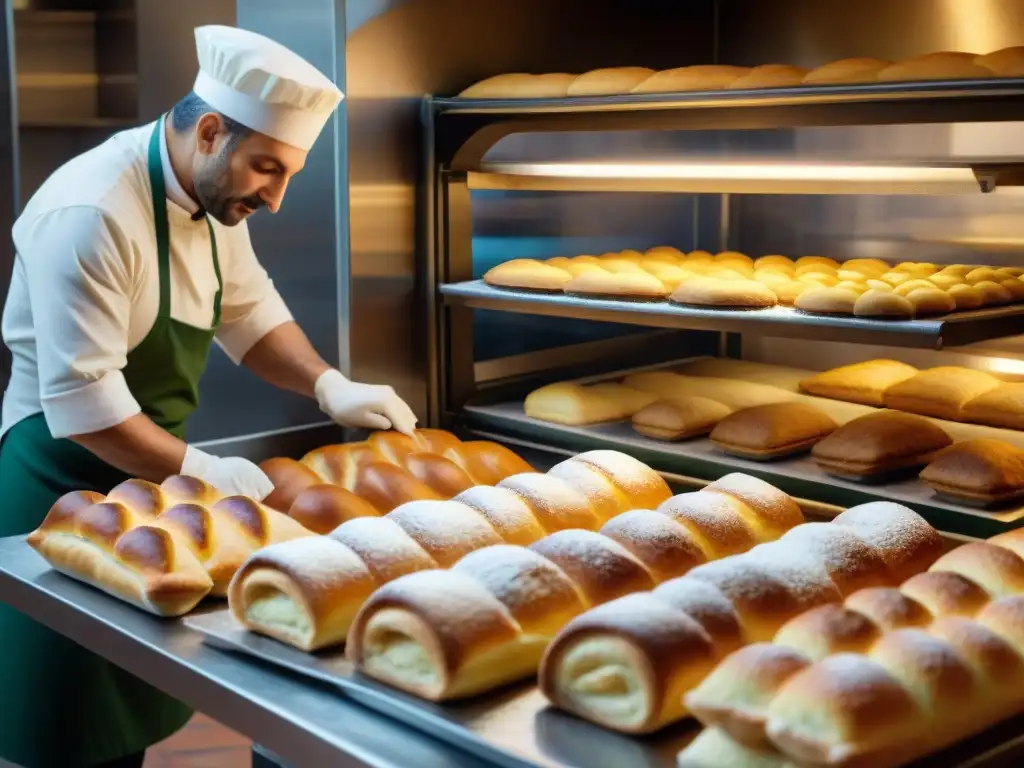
679, 419
1006, 62
856, 70
574, 405
772, 431
729, 392
981, 470
942, 391
770, 76
290, 478
711, 292
529, 274
709, 77
1002, 406
157, 546
863, 383
993, 294
931, 301
447, 635
486, 462
608, 82
518, 85
878, 444
832, 301
816, 262
966, 297
784, 263
628, 664
629, 285
631, 399
944, 65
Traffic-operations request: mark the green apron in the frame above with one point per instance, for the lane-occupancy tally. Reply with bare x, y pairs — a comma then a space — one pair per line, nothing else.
61, 705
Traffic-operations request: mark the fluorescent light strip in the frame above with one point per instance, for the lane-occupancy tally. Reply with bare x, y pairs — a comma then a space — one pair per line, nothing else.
707, 176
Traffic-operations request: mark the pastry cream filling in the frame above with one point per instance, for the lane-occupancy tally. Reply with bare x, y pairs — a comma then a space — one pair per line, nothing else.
392, 655
276, 611
598, 676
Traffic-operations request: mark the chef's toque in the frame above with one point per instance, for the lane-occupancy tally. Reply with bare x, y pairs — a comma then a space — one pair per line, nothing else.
263, 85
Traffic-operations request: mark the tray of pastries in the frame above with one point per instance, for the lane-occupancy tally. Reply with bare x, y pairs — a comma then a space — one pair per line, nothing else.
563, 648
932, 438
618, 81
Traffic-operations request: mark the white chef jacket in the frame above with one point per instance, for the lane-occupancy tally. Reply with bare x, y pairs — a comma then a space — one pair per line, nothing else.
85, 288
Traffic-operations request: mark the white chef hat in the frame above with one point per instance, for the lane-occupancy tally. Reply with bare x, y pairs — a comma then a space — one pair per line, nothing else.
263, 85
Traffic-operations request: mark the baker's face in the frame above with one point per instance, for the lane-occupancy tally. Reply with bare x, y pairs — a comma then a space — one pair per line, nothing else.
236, 177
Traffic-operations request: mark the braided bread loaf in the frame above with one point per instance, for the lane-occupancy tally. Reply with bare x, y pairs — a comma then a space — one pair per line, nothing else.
487, 621
307, 593
626, 665
160, 547
336, 483
891, 674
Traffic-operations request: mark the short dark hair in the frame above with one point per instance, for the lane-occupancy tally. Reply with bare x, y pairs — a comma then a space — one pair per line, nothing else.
186, 114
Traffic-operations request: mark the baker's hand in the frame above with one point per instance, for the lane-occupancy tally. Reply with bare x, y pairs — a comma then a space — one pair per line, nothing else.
372, 406
232, 476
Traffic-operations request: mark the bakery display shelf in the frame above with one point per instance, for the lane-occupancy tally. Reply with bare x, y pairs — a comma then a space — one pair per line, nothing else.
699, 458
933, 333
516, 728
304, 723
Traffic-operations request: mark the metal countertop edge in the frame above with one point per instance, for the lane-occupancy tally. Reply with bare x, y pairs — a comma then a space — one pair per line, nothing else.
296, 740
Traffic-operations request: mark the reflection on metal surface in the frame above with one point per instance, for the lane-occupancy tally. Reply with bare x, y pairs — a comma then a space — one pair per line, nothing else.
703, 176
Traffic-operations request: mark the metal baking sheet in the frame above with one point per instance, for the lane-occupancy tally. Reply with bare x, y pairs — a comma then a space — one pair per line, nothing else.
935, 333
799, 476
513, 728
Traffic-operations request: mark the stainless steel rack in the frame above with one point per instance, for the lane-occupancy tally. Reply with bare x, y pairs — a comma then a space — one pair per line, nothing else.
930, 333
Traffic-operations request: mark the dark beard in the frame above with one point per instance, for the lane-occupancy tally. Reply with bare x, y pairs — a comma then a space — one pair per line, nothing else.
213, 187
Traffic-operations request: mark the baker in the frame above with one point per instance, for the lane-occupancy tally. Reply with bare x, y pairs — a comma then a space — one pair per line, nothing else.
131, 260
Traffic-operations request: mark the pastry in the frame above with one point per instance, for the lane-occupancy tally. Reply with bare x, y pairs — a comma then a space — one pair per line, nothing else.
1002, 406
882, 303
772, 431
944, 65
981, 470
628, 664
770, 76
679, 419
843, 71
714, 292
1006, 62
878, 444
307, 595
529, 274
618, 284
941, 392
517, 85
445, 635
574, 405
832, 301
608, 82
863, 383
709, 77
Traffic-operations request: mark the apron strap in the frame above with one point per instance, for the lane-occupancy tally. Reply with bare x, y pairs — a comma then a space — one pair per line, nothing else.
158, 190
216, 268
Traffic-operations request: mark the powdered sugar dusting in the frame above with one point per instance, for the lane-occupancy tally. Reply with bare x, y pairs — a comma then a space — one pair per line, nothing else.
601, 568
315, 563
384, 547
505, 511
707, 606
658, 541
557, 505
851, 562
634, 477
778, 511
720, 529
445, 529
529, 585
802, 571
902, 537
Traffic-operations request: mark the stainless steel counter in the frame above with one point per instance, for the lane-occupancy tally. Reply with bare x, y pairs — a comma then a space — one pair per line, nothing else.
304, 723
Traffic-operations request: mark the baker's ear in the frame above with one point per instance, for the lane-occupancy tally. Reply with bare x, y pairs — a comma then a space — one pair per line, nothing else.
208, 128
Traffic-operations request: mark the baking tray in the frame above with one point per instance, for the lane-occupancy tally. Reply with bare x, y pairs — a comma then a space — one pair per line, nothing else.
513, 728
699, 458
516, 728
931, 333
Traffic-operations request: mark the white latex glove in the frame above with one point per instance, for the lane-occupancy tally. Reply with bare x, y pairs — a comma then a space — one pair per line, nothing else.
372, 406
232, 475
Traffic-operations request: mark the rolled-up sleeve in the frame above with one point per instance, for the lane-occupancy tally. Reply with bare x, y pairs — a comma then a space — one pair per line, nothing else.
251, 306
79, 282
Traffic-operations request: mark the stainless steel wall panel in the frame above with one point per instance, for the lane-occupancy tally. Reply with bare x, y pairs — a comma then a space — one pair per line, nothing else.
399, 51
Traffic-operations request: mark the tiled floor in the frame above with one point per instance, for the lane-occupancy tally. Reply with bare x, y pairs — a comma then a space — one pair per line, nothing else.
203, 743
